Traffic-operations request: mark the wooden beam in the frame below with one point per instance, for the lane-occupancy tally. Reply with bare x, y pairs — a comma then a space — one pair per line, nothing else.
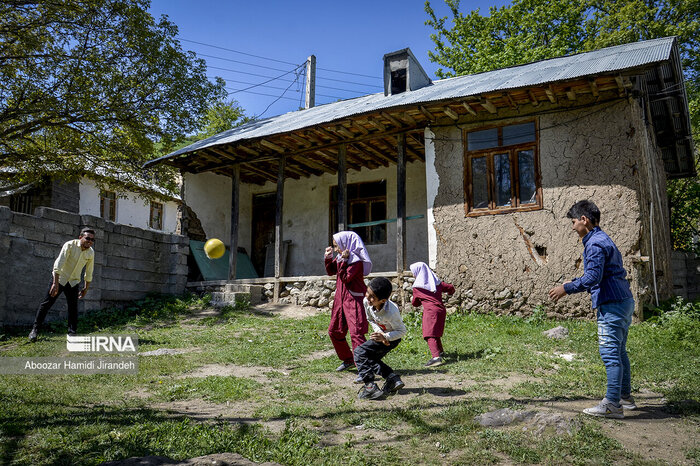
450, 113
235, 202
342, 188
314, 164
401, 205
411, 121
272, 145
376, 152
510, 100
247, 149
376, 124
393, 120
570, 94
549, 90
533, 98
427, 114
469, 108
311, 135
486, 103
223, 153
259, 172
361, 128
279, 226
620, 85
344, 131
303, 168
594, 88
328, 134
301, 141
368, 154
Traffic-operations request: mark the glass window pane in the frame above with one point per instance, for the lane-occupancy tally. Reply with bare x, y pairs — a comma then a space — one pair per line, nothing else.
502, 167
526, 173
480, 188
483, 139
377, 233
517, 134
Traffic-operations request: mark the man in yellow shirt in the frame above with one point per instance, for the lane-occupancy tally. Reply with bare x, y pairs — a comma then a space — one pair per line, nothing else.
75, 255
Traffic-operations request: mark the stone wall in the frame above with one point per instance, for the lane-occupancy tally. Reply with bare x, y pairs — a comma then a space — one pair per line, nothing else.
508, 262
129, 262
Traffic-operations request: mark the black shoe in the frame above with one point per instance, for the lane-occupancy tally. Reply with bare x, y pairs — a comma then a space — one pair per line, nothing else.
393, 384
344, 366
33, 334
435, 362
371, 392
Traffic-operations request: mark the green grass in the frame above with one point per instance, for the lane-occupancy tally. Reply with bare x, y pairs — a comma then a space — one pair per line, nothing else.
90, 419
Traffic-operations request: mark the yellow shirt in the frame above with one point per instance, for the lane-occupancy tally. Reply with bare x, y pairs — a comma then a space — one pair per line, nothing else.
70, 262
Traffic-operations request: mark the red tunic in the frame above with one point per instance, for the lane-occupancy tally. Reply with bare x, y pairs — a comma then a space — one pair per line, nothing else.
348, 312
434, 311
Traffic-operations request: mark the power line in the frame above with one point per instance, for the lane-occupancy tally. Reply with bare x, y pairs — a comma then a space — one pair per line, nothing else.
348, 72
245, 72
281, 96
237, 51
241, 62
281, 88
268, 95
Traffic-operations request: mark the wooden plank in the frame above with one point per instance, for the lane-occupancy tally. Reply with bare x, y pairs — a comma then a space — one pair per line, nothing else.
450, 113
427, 114
510, 100
368, 155
533, 98
486, 103
344, 131
247, 149
401, 204
342, 187
393, 120
235, 203
328, 134
376, 124
549, 90
594, 88
570, 94
272, 145
259, 172
361, 128
407, 117
301, 141
375, 151
469, 108
279, 236
620, 86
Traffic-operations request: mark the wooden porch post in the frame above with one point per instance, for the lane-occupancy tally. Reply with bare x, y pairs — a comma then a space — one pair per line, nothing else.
401, 211
278, 228
342, 188
235, 202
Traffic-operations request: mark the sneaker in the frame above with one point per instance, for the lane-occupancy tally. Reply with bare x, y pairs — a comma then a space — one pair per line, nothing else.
371, 392
33, 334
435, 362
344, 366
358, 379
628, 403
606, 409
393, 384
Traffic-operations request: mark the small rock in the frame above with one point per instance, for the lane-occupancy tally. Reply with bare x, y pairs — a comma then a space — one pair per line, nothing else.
502, 417
557, 333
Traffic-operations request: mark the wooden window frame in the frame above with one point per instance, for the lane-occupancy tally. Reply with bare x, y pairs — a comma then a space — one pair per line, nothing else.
350, 202
108, 196
160, 207
490, 153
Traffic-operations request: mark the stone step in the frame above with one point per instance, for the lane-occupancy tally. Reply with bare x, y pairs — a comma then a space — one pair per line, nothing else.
227, 298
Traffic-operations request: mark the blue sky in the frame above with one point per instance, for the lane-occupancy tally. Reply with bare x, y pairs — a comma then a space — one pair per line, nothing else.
346, 37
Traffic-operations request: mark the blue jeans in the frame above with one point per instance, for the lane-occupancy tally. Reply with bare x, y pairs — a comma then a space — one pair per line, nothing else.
614, 319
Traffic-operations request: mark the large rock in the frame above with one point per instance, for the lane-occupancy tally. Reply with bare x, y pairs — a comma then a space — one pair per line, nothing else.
502, 417
557, 333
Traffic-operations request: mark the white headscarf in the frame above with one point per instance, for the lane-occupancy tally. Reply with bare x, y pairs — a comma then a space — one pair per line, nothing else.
351, 241
425, 278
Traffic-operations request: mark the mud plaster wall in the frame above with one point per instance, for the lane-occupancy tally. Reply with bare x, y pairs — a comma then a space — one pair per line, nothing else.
508, 262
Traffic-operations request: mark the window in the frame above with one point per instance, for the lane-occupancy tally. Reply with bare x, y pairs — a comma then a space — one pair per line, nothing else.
108, 205
21, 203
502, 170
156, 219
366, 203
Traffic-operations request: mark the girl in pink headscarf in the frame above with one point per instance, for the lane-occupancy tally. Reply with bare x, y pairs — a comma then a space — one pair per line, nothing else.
350, 266
427, 291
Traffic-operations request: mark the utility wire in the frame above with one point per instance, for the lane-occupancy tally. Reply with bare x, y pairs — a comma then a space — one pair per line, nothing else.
238, 61
281, 95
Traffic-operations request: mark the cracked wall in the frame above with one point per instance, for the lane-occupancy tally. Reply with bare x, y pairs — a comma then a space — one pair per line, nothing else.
508, 262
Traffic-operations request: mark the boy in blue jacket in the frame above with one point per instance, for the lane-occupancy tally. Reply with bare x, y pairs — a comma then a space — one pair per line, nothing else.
604, 278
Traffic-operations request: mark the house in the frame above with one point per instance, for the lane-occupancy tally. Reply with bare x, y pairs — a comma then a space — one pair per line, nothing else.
86, 197
472, 174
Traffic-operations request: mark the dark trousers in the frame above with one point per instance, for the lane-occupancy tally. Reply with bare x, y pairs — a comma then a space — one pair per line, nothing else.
368, 358
71, 293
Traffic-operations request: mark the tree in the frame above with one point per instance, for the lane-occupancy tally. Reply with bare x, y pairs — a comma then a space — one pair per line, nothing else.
93, 83
531, 30
220, 117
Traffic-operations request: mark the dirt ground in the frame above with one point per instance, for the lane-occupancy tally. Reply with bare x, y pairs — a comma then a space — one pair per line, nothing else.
651, 430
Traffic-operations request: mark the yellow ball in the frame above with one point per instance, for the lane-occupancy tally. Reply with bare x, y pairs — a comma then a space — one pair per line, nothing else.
214, 248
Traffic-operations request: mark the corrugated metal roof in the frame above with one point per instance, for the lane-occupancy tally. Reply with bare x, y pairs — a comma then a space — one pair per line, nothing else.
605, 60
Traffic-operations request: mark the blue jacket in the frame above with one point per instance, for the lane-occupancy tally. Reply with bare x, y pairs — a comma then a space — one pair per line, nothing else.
603, 276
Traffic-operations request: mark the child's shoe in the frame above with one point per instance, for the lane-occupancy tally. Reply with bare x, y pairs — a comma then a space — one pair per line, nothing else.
33, 334
371, 392
606, 409
393, 384
435, 362
358, 379
344, 366
628, 403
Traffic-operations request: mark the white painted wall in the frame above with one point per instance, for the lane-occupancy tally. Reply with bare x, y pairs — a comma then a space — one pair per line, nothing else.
131, 209
305, 214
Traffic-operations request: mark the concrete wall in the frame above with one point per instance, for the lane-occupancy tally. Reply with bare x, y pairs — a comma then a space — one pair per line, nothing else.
131, 209
602, 153
129, 262
306, 211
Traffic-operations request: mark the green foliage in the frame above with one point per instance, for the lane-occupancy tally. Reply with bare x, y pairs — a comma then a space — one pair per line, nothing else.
214, 388
680, 319
89, 84
530, 30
